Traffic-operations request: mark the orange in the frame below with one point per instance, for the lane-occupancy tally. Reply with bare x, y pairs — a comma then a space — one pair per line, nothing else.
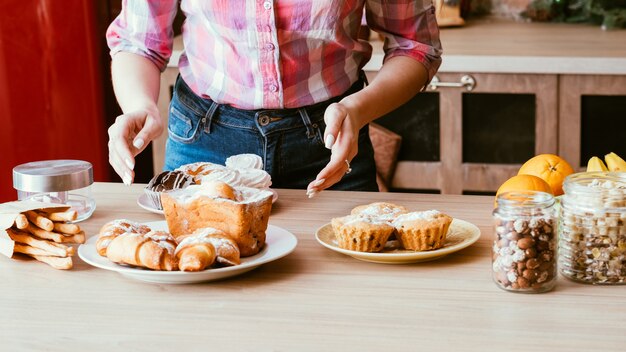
549, 167
524, 183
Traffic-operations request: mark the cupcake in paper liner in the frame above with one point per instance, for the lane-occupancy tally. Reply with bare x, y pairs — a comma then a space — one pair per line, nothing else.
361, 234
166, 181
422, 230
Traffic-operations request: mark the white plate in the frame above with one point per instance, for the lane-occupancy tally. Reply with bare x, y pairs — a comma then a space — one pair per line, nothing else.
278, 243
144, 202
461, 234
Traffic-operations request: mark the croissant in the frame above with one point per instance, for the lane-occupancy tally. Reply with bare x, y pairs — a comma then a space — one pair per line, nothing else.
226, 248
153, 250
194, 253
114, 228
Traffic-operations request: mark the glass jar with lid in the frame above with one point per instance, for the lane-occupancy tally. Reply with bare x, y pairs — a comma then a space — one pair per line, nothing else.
57, 181
592, 236
525, 242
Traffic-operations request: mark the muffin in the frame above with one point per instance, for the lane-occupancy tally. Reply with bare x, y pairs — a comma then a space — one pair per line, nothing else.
361, 234
422, 230
380, 210
163, 182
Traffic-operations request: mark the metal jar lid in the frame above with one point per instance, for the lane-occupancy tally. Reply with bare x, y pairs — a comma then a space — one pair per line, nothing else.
52, 176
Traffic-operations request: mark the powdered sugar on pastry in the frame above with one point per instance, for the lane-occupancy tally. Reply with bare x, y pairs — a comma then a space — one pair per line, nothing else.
197, 238
245, 161
353, 219
427, 215
382, 213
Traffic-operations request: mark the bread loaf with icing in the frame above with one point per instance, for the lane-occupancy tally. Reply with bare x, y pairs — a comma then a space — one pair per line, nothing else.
244, 218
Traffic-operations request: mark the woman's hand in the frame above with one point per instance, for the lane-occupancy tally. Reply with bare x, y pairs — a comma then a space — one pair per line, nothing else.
342, 138
129, 136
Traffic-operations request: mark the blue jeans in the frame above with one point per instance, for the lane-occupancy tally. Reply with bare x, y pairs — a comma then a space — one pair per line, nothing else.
290, 141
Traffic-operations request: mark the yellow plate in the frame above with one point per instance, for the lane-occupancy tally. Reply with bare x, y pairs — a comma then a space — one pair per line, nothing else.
461, 234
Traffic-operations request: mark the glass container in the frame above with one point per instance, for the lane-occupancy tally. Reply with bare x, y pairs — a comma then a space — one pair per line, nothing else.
592, 235
57, 181
525, 242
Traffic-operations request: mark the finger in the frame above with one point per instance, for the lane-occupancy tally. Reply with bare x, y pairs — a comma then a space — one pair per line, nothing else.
119, 166
151, 129
119, 135
334, 171
333, 118
120, 156
344, 149
322, 184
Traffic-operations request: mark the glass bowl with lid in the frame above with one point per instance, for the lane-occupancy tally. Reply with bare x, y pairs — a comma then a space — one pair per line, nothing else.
57, 181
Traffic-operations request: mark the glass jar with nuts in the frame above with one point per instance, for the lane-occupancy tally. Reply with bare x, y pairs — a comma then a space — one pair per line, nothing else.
592, 235
524, 248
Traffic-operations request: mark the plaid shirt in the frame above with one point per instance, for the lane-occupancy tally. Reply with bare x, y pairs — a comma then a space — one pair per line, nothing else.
268, 54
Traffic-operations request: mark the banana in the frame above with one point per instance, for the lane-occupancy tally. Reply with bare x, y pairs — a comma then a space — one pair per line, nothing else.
614, 162
596, 164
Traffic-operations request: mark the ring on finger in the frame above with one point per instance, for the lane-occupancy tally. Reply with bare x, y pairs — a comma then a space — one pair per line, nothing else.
349, 168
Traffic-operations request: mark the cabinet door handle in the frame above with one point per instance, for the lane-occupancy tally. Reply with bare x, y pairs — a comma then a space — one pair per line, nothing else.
466, 81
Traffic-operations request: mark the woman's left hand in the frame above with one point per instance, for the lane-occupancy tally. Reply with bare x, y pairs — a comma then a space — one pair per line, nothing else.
342, 138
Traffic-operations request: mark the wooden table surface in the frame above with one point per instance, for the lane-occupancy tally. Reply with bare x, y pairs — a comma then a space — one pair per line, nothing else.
312, 300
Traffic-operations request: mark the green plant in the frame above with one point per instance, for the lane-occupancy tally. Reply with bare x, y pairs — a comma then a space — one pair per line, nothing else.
608, 13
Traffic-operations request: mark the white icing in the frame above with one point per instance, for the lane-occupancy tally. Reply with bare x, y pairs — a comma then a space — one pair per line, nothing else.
230, 176
244, 161
255, 178
243, 195
200, 168
105, 243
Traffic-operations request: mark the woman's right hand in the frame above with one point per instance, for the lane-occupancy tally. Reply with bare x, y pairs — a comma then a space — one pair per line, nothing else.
129, 136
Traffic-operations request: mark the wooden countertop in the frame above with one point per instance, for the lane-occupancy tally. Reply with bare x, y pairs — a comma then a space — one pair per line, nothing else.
492, 45
312, 300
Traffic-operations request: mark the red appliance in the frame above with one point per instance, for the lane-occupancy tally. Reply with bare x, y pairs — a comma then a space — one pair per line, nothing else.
51, 99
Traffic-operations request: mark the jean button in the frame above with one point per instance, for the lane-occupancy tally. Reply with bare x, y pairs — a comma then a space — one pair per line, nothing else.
264, 120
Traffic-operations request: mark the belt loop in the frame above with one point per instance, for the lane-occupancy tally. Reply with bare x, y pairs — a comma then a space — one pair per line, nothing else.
208, 117
310, 129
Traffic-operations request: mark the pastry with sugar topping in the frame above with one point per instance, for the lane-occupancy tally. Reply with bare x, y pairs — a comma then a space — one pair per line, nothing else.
362, 234
240, 212
422, 230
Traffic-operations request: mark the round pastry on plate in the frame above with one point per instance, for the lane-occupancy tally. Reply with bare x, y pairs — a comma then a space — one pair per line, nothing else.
166, 181
360, 233
422, 230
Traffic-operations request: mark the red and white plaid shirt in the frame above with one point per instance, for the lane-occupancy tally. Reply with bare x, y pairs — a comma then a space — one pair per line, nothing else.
266, 54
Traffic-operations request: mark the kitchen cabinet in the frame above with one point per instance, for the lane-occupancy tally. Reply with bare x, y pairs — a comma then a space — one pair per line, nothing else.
484, 135
592, 117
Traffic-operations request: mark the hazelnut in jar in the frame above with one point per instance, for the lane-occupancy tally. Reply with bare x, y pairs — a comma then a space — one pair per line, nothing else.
592, 233
525, 243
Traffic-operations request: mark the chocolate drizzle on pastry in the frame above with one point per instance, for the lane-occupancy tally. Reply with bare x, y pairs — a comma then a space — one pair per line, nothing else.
170, 180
